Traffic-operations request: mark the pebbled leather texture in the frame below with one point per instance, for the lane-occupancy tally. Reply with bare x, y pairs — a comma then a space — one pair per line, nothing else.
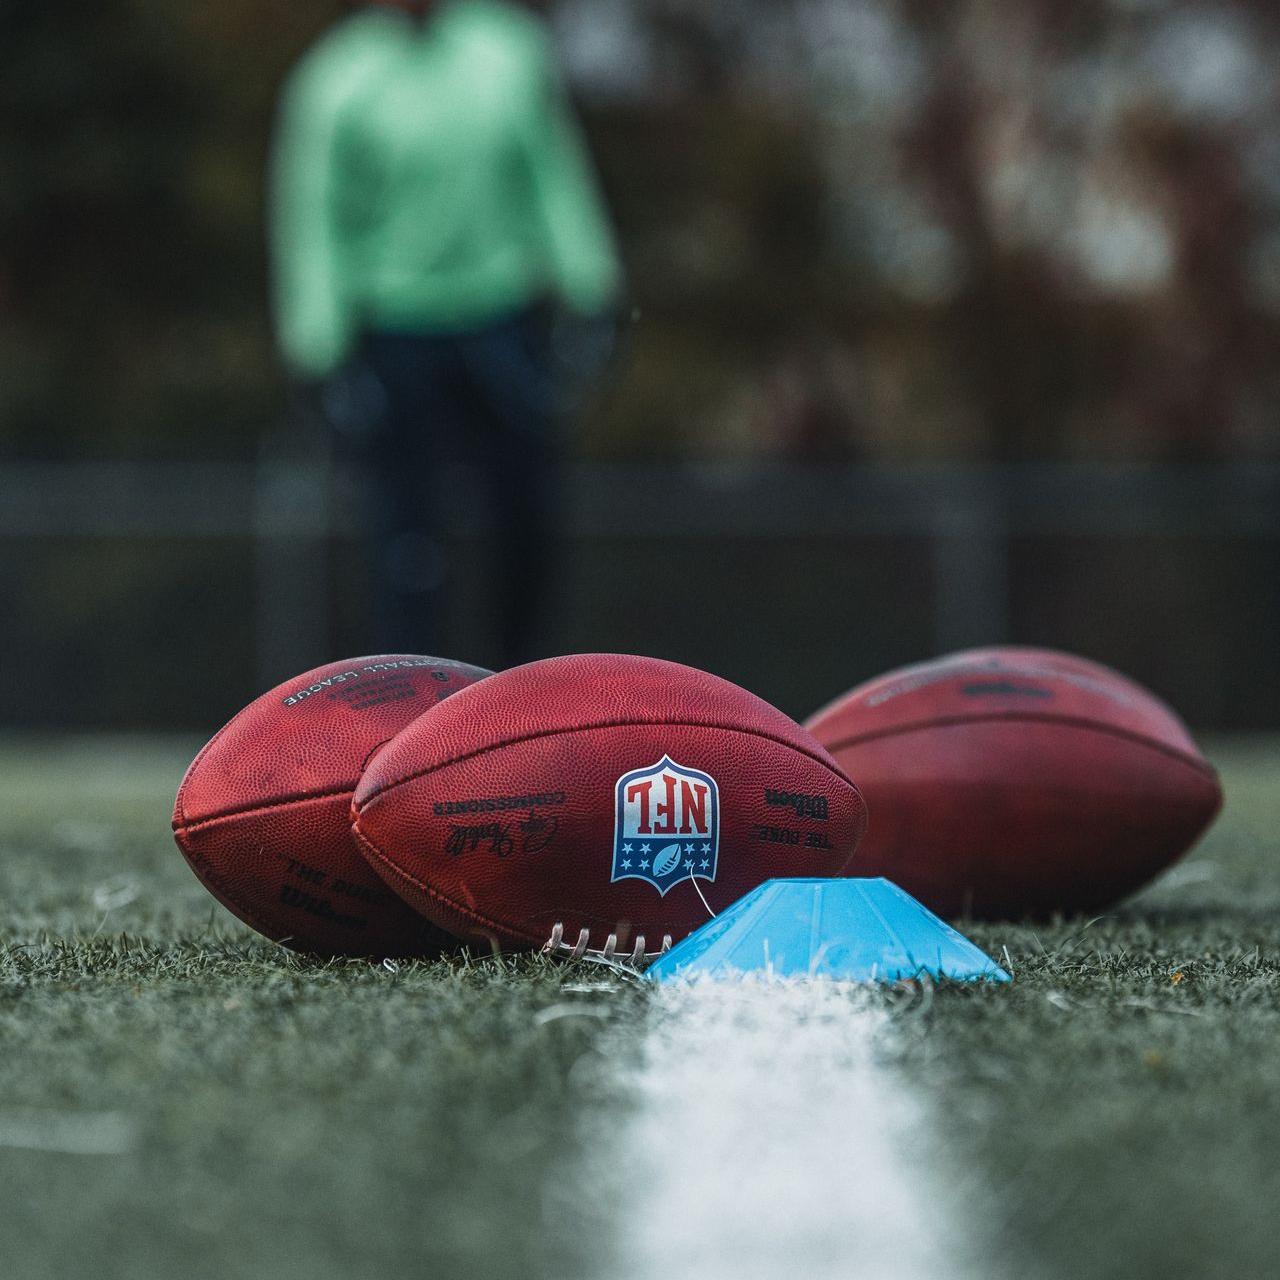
494, 813
263, 814
1017, 782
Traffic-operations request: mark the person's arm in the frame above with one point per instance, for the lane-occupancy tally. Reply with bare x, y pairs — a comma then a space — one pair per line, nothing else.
312, 324
585, 269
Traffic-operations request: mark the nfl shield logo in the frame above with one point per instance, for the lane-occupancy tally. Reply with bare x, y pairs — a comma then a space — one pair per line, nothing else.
666, 825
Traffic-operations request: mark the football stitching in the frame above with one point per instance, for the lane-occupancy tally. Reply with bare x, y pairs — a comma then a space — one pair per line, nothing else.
1201, 766
830, 765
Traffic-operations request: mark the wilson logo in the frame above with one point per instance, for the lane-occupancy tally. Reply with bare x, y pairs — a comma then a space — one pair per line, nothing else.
804, 806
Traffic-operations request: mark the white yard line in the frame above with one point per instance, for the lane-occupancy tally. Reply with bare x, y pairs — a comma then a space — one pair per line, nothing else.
76, 1133
768, 1141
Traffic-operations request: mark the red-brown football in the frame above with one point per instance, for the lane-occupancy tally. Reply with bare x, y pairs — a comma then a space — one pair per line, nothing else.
1018, 782
263, 815
620, 795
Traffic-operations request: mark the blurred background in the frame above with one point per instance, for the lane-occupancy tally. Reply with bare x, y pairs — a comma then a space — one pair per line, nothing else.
953, 324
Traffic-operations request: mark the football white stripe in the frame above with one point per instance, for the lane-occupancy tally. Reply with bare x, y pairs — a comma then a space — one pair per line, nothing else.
768, 1141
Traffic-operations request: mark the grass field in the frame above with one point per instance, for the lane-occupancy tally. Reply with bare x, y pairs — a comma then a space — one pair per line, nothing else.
178, 1099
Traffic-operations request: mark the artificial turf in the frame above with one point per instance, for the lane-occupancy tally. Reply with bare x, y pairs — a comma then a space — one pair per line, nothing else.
180, 1099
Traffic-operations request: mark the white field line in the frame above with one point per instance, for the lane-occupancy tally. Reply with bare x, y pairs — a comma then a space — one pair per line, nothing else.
768, 1141
76, 1133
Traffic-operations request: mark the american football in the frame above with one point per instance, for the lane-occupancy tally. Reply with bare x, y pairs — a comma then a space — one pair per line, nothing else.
262, 812
1014, 782
618, 795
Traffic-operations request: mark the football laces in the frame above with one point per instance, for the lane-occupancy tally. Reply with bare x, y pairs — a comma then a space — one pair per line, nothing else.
609, 954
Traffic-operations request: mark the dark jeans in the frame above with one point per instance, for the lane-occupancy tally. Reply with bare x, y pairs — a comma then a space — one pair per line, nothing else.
485, 399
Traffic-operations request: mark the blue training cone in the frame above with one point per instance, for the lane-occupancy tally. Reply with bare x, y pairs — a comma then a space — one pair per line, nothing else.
851, 930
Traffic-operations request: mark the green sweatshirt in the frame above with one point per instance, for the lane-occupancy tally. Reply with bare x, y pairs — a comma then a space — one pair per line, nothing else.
429, 178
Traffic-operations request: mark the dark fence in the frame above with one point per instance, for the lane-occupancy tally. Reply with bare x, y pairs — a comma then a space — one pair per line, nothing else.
166, 594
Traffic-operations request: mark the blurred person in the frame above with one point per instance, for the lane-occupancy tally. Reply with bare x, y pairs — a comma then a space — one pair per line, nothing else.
444, 269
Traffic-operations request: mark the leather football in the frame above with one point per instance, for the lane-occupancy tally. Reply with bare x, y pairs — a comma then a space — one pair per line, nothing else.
619, 795
263, 813
1016, 782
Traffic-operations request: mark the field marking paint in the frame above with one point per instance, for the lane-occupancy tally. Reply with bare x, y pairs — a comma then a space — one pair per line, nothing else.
75, 1133
767, 1140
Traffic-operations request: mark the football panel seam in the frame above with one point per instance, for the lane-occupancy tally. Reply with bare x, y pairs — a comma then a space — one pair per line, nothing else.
259, 806
180, 802
830, 765
180, 805
1200, 765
